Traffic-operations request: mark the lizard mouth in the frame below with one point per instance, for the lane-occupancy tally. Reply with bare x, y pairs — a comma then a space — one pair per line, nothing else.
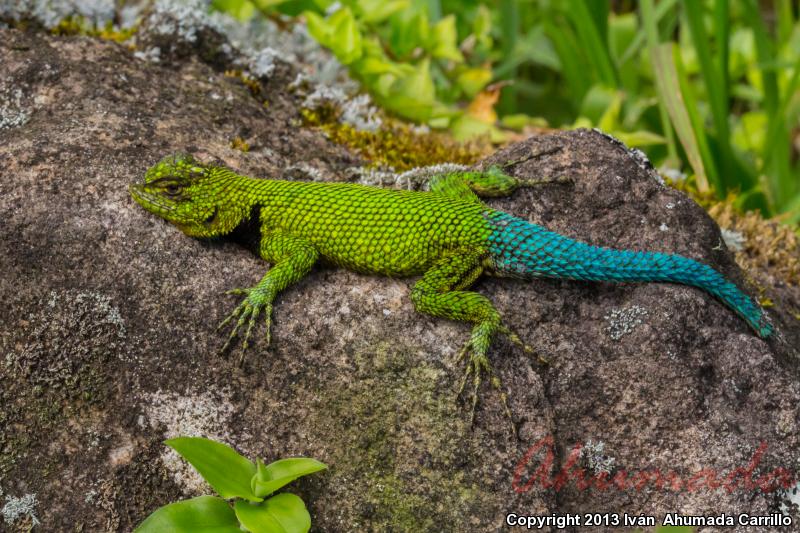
148, 200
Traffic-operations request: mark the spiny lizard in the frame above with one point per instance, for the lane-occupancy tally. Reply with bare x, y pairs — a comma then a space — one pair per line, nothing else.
446, 235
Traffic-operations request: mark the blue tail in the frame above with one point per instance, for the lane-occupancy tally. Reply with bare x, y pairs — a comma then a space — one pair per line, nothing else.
526, 250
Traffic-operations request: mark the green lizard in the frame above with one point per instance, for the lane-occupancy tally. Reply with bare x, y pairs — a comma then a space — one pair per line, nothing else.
446, 235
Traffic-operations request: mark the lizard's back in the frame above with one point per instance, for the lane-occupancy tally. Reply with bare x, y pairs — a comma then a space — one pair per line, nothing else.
368, 229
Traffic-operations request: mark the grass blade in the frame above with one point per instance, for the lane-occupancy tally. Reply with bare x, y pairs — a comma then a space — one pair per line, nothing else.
669, 91
651, 18
714, 86
593, 43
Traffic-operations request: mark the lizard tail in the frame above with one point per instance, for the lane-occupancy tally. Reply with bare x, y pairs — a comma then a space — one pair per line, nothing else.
526, 250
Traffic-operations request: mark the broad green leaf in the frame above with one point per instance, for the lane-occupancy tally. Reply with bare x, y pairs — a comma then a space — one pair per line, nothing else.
409, 30
468, 127
519, 121
204, 514
419, 84
414, 95
750, 131
610, 120
346, 37
284, 513
482, 26
374, 11
621, 32
318, 27
275, 475
225, 470
472, 80
443, 40
376, 65
596, 102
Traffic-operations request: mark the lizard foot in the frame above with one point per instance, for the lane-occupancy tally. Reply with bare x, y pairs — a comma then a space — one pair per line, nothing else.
248, 311
477, 363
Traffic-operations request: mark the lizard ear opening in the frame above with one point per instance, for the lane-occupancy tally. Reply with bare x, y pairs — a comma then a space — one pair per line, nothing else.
212, 217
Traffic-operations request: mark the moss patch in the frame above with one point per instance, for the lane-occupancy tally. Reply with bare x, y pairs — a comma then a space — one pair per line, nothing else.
398, 445
396, 144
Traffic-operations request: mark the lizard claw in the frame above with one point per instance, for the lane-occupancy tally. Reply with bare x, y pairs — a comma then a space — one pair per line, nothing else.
513, 337
478, 364
246, 312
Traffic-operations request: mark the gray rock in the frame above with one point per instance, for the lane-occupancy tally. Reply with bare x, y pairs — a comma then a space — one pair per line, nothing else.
108, 342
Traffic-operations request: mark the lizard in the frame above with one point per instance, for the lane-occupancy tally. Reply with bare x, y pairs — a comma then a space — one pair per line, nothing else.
447, 235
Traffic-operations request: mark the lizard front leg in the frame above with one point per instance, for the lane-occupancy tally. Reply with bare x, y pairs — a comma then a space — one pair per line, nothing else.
440, 293
292, 257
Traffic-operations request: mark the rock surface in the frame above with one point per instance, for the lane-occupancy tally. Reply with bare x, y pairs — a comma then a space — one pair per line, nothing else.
107, 328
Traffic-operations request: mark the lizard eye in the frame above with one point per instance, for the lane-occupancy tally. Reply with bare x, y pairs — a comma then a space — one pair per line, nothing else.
172, 189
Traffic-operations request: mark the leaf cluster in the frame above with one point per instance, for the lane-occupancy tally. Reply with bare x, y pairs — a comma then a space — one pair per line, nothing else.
236, 477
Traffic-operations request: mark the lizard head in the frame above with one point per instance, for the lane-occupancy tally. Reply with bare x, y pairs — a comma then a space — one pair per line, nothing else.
189, 194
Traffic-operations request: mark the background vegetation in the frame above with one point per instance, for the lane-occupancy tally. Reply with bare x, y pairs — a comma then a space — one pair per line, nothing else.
708, 88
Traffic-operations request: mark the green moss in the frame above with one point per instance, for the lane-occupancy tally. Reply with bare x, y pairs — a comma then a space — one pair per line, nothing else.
76, 25
395, 144
395, 401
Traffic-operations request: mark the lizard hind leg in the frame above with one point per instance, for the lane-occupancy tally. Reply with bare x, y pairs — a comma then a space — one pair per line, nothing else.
440, 293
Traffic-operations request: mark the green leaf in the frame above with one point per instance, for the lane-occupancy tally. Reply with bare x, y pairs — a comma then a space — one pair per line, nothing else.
284, 513
597, 101
409, 30
414, 95
318, 27
225, 470
472, 80
374, 11
714, 76
593, 39
519, 121
468, 127
346, 37
636, 139
482, 26
374, 65
443, 40
610, 119
275, 475
204, 514
668, 88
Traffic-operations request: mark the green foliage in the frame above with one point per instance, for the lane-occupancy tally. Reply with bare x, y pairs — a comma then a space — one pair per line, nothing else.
233, 476
705, 85
414, 62
700, 84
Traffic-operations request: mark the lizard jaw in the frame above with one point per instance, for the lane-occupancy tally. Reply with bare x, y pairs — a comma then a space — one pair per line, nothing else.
149, 201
